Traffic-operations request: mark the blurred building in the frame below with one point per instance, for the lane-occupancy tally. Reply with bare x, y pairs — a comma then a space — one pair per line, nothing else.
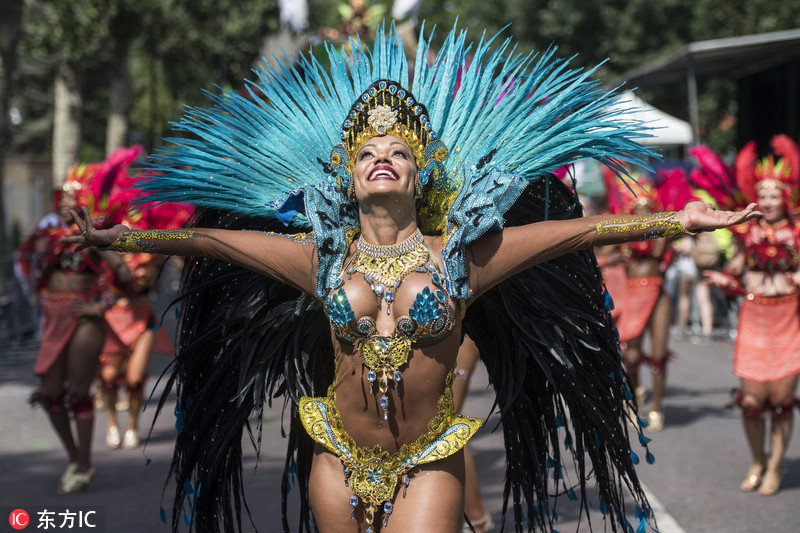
766, 67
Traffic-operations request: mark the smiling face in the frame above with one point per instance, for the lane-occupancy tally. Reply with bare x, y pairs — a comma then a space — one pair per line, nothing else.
66, 202
385, 166
770, 202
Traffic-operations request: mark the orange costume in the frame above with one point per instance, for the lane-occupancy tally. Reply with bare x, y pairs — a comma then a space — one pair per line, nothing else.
640, 294
768, 342
129, 317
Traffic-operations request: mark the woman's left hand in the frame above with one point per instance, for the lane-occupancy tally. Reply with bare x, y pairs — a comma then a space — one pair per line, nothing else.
699, 216
90, 236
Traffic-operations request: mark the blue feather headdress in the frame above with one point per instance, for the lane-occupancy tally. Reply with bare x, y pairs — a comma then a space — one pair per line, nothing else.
506, 119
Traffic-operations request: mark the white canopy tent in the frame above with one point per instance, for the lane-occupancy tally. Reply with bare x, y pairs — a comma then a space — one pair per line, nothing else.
668, 130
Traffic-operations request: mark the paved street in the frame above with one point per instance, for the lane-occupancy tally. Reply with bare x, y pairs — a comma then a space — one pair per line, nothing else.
701, 457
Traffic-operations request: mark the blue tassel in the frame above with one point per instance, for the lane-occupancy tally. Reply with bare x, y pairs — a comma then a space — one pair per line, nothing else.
603, 507
642, 422
158, 326
644, 440
650, 458
572, 496
634, 457
163, 514
147, 462
187, 519
187, 488
628, 526
197, 493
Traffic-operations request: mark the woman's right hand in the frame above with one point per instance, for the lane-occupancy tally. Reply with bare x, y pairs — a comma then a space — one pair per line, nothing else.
89, 235
716, 279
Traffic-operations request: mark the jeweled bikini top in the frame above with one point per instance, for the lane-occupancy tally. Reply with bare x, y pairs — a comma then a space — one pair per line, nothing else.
384, 268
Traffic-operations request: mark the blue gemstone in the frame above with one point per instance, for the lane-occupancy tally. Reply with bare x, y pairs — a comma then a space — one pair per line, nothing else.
397, 376
371, 376
354, 501
377, 289
389, 296
384, 401
387, 507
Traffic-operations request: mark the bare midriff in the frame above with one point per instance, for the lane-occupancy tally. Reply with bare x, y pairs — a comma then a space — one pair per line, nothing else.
61, 281
423, 384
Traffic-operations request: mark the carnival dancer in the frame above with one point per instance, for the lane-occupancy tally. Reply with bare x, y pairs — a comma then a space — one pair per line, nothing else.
642, 305
132, 337
767, 348
134, 331
404, 239
69, 286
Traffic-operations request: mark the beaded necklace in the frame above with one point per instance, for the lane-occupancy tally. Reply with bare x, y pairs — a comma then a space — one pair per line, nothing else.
385, 267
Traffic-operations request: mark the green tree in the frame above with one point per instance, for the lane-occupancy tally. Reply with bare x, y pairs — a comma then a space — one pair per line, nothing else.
10, 31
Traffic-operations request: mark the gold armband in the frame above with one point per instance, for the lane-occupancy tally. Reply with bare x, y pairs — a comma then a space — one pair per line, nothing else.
306, 239
147, 241
652, 226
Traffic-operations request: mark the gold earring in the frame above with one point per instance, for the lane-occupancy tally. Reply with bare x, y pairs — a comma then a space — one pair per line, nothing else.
351, 191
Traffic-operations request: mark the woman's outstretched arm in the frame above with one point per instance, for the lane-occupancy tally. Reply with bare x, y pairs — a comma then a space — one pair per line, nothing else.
499, 255
290, 259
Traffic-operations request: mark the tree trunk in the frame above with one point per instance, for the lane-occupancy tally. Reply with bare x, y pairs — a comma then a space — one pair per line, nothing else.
10, 31
121, 97
68, 107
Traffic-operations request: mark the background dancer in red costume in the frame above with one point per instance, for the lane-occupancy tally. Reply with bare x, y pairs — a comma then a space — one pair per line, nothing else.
765, 270
642, 305
68, 283
133, 333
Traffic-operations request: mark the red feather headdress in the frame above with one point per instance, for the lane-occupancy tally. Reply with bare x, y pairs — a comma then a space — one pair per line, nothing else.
753, 174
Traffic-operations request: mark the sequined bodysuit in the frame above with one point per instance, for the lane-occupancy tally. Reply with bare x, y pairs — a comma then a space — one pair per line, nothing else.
372, 473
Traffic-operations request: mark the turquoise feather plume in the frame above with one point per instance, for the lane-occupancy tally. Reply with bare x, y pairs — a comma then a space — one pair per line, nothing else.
528, 114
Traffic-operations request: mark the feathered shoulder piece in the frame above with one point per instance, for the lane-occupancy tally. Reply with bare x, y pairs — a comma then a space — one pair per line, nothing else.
673, 188
481, 119
713, 176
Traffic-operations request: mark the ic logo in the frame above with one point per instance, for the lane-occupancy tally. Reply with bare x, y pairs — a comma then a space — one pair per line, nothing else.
18, 519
